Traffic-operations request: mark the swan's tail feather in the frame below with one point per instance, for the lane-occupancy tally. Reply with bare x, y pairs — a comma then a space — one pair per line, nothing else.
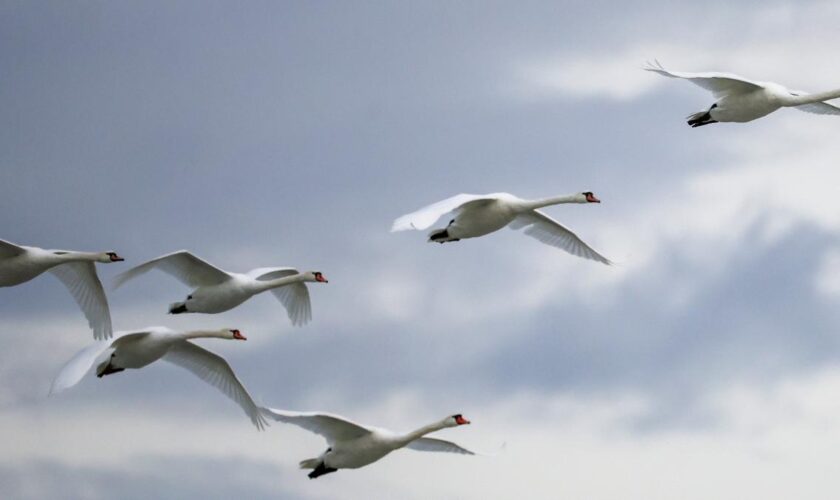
310, 463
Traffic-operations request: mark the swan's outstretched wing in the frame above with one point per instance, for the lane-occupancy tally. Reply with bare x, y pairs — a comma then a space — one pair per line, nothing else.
8, 250
214, 370
433, 444
73, 371
549, 231
81, 280
332, 427
182, 265
720, 84
819, 108
294, 297
426, 216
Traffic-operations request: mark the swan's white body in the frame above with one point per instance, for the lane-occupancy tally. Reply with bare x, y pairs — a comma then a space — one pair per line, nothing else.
478, 215
136, 349
218, 291
353, 445
19, 264
742, 100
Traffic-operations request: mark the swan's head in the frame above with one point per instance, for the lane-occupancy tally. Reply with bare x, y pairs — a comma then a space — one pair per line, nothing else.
109, 257
315, 276
589, 197
456, 420
236, 334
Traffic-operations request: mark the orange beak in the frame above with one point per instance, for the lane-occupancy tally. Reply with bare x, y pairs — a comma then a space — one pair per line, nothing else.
461, 421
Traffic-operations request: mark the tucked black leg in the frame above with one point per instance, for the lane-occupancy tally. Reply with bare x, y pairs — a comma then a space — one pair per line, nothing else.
109, 370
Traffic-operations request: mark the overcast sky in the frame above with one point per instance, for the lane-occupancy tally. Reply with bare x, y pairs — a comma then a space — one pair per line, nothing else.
706, 364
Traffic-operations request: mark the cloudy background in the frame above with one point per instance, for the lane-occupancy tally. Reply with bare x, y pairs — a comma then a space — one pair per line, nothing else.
706, 364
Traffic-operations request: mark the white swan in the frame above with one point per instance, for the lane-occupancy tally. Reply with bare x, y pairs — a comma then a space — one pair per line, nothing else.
218, 291
19, 264
743, 100
136, 349
480, 214
353, 445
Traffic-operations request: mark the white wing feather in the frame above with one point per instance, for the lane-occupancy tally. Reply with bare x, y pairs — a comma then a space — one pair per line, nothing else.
182, 265
551, 232
440, 445
214, 370
81, 280
294, 297
73, 371
819, 108
8, 249
426, 216
332, 427
720, 84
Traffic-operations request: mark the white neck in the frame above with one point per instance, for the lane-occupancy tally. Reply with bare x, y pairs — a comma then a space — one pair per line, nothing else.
426, 429
556, 200
262, 286
201, 334
798, 100
78, 256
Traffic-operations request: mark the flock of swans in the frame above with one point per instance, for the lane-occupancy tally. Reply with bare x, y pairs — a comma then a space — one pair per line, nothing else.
350, 445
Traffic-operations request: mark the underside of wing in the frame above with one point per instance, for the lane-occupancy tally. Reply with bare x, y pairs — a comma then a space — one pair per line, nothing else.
182, 265
332, 427
296, 301
81, 280
819, 108
214, 370
720, 84
8, 250
547, 230
426, 216
439, 445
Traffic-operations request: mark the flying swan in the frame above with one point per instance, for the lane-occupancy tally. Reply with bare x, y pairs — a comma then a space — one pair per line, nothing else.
353, 445
480, 214
139, 348
19, 264
742, 100
218, 291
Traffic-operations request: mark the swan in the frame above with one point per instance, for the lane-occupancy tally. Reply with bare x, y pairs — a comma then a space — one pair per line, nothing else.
139, 348
353, 445
480, 214
218, 291
19, 264
742, 100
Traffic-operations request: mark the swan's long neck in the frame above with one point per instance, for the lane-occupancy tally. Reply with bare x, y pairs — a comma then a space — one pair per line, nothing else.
555, 200
798, 100
203, 334
78, 256
262, 286
417, 434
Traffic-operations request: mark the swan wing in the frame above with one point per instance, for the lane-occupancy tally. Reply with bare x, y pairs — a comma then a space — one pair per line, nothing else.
81, 280
295, 299
441, 445
332, 427
719, 84
214, 370
547, 230
426, 216
8, 250
182, 265
73, 371
818, 108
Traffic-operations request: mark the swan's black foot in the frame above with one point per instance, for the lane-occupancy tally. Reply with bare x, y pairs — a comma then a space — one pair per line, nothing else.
320, 471
109, 370
441, 236
178, 309
700, 119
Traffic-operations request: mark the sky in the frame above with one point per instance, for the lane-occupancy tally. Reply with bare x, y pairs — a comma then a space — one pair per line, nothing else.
704, 364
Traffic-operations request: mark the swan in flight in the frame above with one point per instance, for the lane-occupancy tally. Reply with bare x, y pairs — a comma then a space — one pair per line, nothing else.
136, 349
218, 291
19, 264
480, 214
743, 100
353, 445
